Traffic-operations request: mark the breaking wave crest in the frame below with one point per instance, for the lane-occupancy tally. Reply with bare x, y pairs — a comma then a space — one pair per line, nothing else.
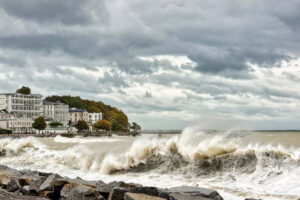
197, 154
10, 146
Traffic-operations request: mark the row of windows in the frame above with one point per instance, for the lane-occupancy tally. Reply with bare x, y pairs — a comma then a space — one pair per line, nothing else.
20, 123
27, 96
25, 108
56, 112
28, 102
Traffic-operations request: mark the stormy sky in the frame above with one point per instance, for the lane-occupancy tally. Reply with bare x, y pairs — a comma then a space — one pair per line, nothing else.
166, 64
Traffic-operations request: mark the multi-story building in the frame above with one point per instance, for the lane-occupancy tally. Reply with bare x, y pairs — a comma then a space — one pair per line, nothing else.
21, 124
78, 114
30, 105
56, 111
94, 117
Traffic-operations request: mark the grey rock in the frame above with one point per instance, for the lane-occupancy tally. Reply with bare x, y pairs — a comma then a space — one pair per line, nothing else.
34, 186
182, 196
13, 185
197, 191
47, 185
72, 191
252, 199
25, 190
136, 196
118, 192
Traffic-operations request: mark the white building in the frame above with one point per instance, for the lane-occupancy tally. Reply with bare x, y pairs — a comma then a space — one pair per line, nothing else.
21, 124
20, 104
94, 117
57, 112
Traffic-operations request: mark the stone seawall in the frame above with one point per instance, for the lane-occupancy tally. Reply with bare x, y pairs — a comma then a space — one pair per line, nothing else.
25, 184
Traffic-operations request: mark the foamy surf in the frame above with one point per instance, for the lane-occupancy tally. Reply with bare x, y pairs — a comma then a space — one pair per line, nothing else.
235, 167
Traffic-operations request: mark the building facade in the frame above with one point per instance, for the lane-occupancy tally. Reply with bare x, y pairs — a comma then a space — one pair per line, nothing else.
94, 117
78, 114
57, 112
20, 104
21, 124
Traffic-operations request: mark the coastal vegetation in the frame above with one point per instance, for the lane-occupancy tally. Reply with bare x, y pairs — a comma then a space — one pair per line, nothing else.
55, 124
81, 125
5, 131
24, 90
39, 124
117, 118
103, 125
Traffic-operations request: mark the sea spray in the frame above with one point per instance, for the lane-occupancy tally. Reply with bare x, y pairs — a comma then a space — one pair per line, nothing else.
193, 158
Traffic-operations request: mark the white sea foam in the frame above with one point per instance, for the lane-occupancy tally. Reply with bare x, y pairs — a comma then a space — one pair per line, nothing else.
263, 170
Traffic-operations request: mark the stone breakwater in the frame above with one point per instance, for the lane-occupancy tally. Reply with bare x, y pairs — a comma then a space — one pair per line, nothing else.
25, 184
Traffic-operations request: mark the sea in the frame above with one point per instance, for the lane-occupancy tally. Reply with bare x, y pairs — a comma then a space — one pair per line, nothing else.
238, 164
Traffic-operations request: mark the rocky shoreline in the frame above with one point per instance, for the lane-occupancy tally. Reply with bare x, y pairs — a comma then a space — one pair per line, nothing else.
25, 184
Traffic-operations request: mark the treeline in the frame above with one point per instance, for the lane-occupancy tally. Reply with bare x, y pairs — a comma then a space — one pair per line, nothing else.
117, 118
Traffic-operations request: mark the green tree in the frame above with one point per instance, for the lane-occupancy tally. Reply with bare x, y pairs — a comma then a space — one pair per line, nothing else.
81, 125
24, 90
102, 125
55, 124
39, 124
135, 127
119, 122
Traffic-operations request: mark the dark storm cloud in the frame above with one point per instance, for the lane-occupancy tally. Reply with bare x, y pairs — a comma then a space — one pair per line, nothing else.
54, 11
93, 48
220, 40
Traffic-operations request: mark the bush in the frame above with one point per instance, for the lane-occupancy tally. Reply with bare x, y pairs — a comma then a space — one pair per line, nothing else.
81, 125
102, 125
5, 131
55, 124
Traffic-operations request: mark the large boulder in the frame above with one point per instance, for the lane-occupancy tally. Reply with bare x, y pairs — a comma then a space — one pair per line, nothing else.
13, 185
4, 180
118, 192
47, 185
182, 196
25, 190
252, 199
196, 191
73, 191
105, 189
136, 196
34, 186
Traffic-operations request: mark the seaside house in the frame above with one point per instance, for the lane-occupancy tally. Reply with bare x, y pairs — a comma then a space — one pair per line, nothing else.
78, 114
94, 117
56, 112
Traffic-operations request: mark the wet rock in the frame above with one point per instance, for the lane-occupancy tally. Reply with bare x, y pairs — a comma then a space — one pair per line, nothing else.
49, 194
252, 199
25, 190
13, 185
30, 174
136, 196
4, 180
182, 196
47, 185
72, 191
34, 186
118, 192
196, 191
105, 189
25, 181
84, 182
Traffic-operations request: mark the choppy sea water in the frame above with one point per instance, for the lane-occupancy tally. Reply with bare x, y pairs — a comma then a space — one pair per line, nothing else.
241, 164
